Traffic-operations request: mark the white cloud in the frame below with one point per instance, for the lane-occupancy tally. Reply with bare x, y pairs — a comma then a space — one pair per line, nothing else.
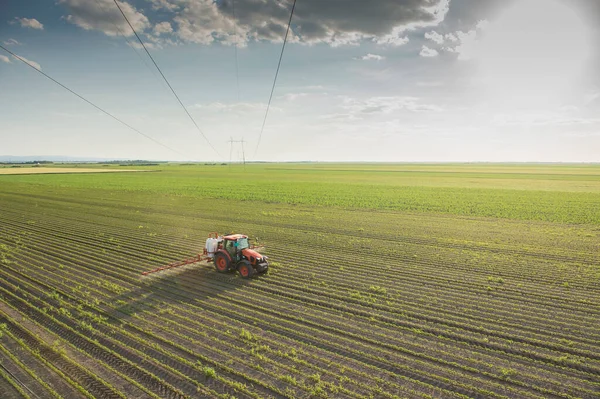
428, 52
104, 16
460, 42
467, 45
11, 42
339, 116
32, 63
451, 37
149, 45
29, 23
4, 58
469, 40
361, 108
342, 39
164, 5
293, 96
240, 108
434, 37
201, 22
370, 57
311, 96
163, 27
393, 39
315, 21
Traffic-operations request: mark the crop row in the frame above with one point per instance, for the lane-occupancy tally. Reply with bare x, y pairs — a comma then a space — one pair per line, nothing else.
460, 265
415, 229
420, 305
145, 372
390, 244
347, 322
406, 269
553, 206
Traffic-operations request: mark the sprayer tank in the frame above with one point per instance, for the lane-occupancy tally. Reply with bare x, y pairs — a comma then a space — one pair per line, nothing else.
211, 246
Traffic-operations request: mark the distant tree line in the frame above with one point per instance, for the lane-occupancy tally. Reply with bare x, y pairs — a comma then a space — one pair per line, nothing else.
27, 163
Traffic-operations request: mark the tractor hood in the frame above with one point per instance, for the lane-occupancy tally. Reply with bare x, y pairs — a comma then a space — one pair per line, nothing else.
250, 253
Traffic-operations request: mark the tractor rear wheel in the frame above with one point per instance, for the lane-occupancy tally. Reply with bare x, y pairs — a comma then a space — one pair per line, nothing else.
221, 263
245, 269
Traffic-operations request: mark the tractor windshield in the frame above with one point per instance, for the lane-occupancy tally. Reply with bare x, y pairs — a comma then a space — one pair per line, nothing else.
242, 243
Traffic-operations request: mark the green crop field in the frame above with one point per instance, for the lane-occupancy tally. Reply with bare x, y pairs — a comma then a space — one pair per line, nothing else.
386, 281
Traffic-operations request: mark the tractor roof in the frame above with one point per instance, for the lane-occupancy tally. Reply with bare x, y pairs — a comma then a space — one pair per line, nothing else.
234, 237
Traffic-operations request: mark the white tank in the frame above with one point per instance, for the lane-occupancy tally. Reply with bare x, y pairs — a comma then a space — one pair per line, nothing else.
211, 246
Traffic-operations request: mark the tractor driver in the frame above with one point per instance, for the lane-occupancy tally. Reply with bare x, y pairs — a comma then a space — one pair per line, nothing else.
236, 245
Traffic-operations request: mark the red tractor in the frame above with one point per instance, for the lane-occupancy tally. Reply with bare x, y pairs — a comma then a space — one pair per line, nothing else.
233, 252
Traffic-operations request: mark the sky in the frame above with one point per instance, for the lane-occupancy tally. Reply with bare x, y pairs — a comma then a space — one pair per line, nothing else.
388, 80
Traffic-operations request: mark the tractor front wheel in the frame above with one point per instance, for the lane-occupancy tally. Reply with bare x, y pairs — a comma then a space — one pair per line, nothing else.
221, 263
245, 269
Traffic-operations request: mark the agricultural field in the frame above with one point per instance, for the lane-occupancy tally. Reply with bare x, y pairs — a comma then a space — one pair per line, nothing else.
31, 170
386, 281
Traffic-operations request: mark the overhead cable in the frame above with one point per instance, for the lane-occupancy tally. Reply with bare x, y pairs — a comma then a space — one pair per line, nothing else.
129, 43
163, 76
275, 80
91, 103
235, 46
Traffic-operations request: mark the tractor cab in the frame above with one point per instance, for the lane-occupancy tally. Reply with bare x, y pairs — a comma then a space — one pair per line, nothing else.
234, 244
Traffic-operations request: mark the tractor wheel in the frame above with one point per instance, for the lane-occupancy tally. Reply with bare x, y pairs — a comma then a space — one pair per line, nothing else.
221, 263
245, 269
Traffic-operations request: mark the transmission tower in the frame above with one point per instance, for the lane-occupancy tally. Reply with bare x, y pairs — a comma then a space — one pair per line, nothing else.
242, 141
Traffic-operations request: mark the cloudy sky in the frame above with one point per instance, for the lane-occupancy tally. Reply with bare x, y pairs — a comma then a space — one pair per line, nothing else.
388, 80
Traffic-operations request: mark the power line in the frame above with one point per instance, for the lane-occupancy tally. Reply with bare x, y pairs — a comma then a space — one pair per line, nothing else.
275, 80
91, 103
129, 44
235, 44
163, 76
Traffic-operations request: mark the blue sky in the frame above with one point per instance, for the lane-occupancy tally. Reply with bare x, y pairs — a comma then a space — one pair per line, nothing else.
392, 80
